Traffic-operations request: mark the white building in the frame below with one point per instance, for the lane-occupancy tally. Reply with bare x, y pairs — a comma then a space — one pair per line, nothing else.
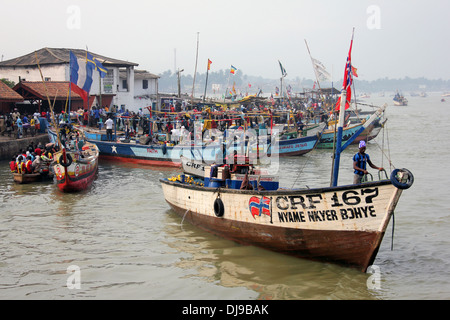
122, 86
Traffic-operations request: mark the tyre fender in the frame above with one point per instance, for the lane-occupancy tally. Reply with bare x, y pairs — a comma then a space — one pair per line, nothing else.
68, 158
402, 178
219, 208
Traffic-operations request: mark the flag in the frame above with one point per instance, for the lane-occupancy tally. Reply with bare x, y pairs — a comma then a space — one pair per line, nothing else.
283, 71
209, 64
97, 65
321, 73
347, 80
354, 71
277, 91
80, 76
259, 206
233, 70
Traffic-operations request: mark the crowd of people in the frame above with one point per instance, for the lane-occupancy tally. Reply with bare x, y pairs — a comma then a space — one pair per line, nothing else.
33, 159
14, 124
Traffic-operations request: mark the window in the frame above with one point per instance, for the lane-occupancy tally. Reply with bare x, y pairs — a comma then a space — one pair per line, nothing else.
125, 84
144, 84
48, 79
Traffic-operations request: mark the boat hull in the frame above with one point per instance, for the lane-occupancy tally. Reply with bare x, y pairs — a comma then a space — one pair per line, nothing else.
342, 225
138, 153
327, 140
78, 176
80, 171
23, 178
296, 146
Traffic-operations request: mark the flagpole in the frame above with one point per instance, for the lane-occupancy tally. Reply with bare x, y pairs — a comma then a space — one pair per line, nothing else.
341, 120
195, 72
312, 62
228, 84
206, 84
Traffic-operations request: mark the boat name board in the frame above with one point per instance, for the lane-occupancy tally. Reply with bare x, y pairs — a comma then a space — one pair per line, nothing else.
303, 208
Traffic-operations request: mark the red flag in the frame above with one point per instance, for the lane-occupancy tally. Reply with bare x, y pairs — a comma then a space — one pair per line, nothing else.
347, 80
209, 64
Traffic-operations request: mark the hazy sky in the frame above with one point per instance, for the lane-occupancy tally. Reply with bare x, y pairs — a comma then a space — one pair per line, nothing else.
393, 39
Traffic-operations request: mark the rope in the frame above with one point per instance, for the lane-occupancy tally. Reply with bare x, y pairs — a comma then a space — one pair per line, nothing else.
307, 160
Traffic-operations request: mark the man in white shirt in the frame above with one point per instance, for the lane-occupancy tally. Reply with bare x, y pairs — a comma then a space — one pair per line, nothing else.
109, 126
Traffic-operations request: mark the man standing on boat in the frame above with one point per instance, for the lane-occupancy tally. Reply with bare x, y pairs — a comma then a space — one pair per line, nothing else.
109, 126
360, 161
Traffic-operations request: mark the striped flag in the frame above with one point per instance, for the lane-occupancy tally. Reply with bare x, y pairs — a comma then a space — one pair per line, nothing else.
259, 206
80, 76
348, 80
233, 70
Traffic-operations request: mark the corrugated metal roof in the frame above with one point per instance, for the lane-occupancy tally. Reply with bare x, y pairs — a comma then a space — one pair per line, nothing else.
48, 56
9, 95
139, 75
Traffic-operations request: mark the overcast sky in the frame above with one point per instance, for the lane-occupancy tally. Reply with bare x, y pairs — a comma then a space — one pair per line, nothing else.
393, 38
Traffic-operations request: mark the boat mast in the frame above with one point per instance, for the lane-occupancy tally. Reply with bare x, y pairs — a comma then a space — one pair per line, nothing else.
340, 128
195, 72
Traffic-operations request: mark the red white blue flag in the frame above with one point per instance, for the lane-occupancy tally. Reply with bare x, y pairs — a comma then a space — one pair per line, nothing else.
348, 80
80, 76
259, 206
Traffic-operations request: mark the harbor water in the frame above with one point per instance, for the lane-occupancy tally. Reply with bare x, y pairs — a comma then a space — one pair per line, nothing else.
120, 239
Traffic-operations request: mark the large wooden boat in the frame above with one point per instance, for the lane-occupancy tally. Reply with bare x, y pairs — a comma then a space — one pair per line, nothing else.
75, 166
337, 224
343, 225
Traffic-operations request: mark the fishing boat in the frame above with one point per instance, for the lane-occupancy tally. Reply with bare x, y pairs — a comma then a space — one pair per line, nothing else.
370, 132
23, 178
339, 224
336, 224
400, 100
76, 163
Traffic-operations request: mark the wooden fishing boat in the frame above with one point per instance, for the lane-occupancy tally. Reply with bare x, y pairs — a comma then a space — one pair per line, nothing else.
76, 166
337, 224
23, 178
343, 225
327, 139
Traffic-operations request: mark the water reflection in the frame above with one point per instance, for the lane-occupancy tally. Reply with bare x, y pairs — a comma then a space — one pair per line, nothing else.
269, 275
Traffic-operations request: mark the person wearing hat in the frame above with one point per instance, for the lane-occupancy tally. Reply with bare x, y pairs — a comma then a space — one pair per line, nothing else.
360, 161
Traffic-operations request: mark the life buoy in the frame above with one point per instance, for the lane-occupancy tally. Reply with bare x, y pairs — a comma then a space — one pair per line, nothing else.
68, 158
407, 178
219, 208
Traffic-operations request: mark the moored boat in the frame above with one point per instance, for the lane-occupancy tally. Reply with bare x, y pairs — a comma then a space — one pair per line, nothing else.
337, 224
76, 165
343, 225
23, 178
327, 140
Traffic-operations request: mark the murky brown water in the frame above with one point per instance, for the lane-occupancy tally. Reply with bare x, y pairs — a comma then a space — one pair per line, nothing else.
127, 243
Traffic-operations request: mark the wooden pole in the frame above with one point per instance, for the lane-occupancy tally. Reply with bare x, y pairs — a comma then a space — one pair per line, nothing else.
195, 71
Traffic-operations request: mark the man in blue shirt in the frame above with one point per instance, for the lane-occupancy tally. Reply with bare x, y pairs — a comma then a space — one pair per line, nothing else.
360, 161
